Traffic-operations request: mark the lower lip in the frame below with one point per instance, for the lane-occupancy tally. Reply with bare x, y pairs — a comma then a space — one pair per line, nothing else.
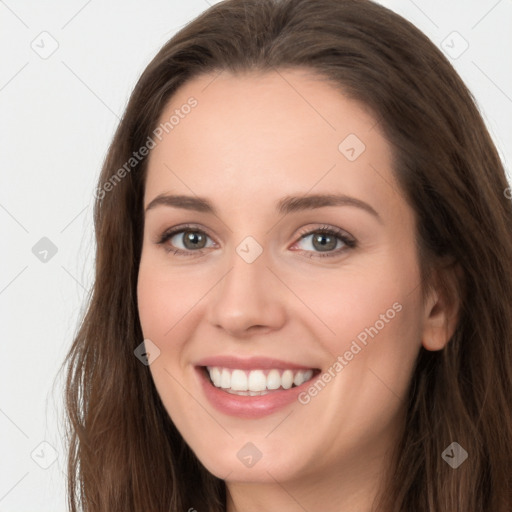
249, 406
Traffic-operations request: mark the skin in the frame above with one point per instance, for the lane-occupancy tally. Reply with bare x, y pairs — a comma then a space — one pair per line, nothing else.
251, 140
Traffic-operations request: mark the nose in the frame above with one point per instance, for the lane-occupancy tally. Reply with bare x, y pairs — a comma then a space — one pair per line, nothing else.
249, 299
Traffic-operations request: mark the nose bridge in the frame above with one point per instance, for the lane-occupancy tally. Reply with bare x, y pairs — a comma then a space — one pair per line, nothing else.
247, 294
248, 267
247, 273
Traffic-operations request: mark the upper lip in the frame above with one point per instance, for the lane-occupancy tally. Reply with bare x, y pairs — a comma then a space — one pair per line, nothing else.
250, 363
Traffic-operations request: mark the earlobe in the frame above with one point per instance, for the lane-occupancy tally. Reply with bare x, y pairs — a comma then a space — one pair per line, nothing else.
441, 311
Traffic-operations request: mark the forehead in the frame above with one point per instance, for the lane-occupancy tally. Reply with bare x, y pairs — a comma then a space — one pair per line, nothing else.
256, 137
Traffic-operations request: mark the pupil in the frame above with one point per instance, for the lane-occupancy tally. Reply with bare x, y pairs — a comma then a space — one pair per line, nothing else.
321, 240
193, 238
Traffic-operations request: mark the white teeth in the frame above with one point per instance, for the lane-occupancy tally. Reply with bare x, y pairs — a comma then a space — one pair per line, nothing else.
299, 378
225, 379
239, 381
287, 379
216, 377
273, 379
256, 382
302, 376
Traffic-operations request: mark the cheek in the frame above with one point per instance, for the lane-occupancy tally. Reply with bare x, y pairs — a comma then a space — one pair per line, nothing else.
166, 314
353, 304
372, 320
151, 302
377, 325
167, 299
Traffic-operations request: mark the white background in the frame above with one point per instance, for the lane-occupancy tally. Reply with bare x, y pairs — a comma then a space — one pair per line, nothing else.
57, 118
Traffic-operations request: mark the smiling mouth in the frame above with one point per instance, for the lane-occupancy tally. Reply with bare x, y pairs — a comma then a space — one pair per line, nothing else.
257, 382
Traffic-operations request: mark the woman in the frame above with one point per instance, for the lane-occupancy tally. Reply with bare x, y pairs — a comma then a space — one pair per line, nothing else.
341, 338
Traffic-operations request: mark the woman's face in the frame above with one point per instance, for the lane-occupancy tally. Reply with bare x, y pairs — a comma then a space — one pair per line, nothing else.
296, 261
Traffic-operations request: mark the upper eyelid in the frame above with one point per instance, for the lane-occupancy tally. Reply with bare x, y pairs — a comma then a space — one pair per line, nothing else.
180, 228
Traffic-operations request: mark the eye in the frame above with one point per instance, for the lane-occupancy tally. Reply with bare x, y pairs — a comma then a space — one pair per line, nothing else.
183, 240
326, 241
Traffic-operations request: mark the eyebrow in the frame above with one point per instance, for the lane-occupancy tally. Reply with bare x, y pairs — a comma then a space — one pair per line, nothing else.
286, 205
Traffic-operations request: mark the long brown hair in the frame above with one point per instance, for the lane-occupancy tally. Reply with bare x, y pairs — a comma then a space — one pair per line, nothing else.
124, 452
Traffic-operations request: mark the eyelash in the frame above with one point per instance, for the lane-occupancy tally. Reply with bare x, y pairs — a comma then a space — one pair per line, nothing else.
349, 242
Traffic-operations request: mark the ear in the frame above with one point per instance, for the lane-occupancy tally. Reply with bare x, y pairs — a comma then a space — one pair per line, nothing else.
442, 307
